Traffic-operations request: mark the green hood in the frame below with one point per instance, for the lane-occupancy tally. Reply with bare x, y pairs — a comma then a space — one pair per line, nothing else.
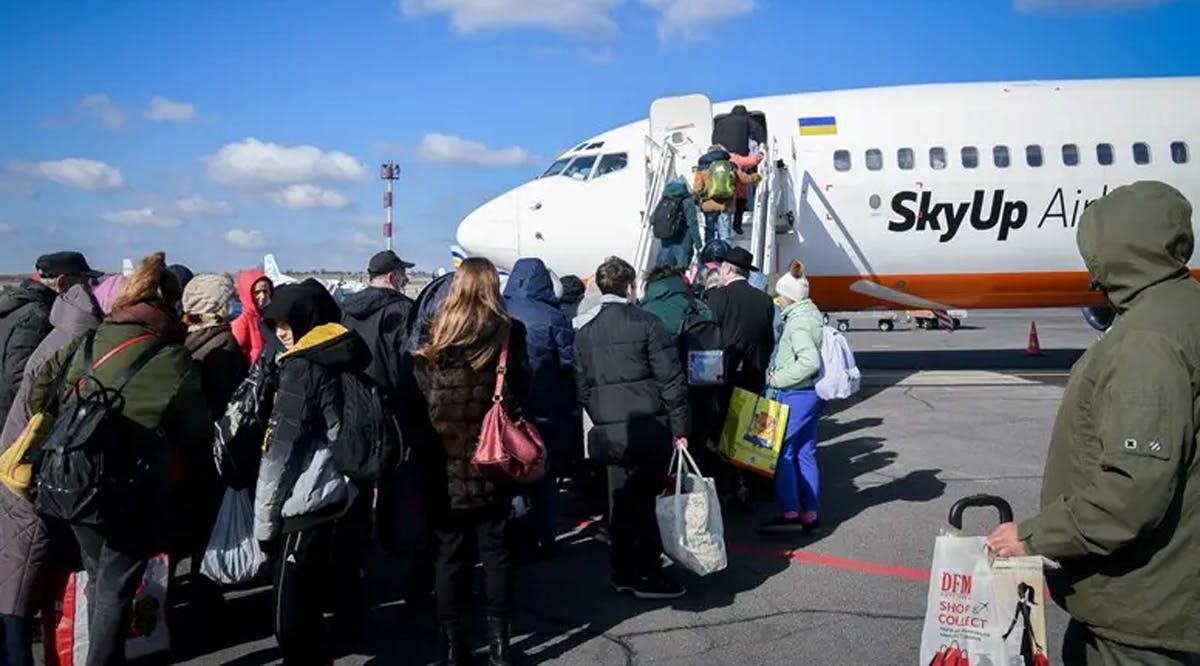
1136, 237
668, 299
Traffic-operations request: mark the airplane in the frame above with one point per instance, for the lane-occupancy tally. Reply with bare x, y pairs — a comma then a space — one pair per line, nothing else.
933, 196
339, 289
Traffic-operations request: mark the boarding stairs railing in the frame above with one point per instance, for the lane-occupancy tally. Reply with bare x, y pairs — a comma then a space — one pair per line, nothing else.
661, 169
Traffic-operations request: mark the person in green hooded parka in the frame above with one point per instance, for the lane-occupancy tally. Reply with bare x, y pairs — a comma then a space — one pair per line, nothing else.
1121, 491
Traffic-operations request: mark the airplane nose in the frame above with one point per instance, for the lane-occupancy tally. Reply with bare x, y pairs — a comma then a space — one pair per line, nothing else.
491, 231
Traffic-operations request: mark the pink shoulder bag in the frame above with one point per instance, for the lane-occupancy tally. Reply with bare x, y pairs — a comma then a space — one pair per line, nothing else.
509, 449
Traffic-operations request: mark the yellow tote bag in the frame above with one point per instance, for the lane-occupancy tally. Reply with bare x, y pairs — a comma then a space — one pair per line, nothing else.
753, 433
14, 474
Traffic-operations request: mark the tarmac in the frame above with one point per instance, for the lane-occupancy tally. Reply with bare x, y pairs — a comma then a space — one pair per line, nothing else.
942, 415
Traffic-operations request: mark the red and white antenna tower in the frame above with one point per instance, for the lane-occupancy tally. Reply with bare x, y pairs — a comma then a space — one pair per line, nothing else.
388, 172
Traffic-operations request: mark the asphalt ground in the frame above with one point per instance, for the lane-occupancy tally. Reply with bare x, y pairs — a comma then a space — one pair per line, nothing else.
942, 415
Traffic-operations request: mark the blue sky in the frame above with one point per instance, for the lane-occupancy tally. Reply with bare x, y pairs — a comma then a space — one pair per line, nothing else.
220, 130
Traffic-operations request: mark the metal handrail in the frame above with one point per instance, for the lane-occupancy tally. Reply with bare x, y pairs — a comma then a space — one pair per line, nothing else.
664, 168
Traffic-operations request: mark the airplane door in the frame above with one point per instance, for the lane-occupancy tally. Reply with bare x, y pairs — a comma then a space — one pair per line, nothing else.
686, 123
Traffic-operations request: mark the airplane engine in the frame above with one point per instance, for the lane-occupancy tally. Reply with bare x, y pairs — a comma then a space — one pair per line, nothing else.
1099, 318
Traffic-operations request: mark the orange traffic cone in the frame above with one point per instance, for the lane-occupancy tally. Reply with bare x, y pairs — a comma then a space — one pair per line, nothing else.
1035, 347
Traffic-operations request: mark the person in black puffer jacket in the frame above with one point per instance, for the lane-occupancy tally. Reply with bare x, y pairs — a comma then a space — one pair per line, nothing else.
301, 493
629, 378
456, 371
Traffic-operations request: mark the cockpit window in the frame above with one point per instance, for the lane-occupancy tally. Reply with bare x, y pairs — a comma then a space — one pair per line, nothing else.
612, 162
594, 146
557, 167
579, 147
580, 167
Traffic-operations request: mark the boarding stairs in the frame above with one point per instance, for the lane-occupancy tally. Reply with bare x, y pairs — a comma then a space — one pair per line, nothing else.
680, 133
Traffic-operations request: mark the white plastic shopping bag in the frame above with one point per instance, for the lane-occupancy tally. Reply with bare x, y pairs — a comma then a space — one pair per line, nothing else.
689, 520
233, 556
65, 636
983, 611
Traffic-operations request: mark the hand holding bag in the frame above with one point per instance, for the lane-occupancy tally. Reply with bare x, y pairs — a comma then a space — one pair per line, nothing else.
510, 449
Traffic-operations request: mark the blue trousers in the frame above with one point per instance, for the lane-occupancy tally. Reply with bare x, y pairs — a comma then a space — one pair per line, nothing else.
797, 481
675, 254
17, 633
718, 225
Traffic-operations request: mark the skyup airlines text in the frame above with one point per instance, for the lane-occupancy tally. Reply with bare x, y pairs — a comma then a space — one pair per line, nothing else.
984, 212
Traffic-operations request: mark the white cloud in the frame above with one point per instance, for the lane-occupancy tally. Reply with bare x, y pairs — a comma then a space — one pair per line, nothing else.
244, 239
691, 18
574, 17
6, 228
198, 206
362, 241
1039, 5
142, 217
165, 110
104, 109
306, 196
254, 164
77, 172
447, 149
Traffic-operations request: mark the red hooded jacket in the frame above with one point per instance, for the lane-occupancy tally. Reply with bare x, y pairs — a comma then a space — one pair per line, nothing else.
246, 326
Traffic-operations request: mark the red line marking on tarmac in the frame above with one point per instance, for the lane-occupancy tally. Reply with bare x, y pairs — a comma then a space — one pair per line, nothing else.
860, 566
817, 559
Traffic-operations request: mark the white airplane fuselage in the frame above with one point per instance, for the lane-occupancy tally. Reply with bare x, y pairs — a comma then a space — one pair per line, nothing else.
963, 194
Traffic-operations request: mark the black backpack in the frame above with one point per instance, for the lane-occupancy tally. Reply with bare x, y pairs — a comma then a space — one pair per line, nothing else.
668, 218
698, 337
79, 467
368, 441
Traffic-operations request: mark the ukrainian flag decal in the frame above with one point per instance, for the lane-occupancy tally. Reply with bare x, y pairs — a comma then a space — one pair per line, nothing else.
818, 126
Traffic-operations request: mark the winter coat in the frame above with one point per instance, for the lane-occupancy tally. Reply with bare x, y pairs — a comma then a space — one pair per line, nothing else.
700, 183
549, 342
668, 299
73, 314
1121, 491
458, 398
747, 318
299, 485
689, 236
24, 321
165, 410
747, 163
630, 381
23, 538
798, 353
425, 309
222, 364
380, 317
248, 327
735, 129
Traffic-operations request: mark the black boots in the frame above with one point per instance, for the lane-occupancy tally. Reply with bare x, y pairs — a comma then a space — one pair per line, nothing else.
454, 650
499, 652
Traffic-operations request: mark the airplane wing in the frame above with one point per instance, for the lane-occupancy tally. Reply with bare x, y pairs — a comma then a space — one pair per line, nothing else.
876, 290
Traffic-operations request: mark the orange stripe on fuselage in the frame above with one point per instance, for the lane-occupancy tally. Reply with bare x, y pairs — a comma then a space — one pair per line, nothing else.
964, 290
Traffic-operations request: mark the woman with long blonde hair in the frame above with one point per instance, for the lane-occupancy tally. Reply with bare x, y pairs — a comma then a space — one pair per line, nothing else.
456, 371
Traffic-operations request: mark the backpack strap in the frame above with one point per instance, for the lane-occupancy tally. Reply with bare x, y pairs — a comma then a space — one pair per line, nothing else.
139, 362
502, 368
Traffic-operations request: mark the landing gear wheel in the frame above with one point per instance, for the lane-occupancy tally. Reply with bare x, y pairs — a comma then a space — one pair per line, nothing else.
843, 325
886, 325
957, 323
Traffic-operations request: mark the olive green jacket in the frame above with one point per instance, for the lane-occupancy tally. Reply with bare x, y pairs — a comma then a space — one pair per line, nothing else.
1121, 493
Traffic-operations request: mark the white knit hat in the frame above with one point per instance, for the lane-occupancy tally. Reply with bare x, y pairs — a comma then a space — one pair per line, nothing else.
793, 284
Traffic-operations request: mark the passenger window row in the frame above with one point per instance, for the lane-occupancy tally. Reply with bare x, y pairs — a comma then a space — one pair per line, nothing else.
969, 156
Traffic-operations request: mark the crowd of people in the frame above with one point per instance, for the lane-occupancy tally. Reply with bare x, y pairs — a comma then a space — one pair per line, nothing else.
162, 352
